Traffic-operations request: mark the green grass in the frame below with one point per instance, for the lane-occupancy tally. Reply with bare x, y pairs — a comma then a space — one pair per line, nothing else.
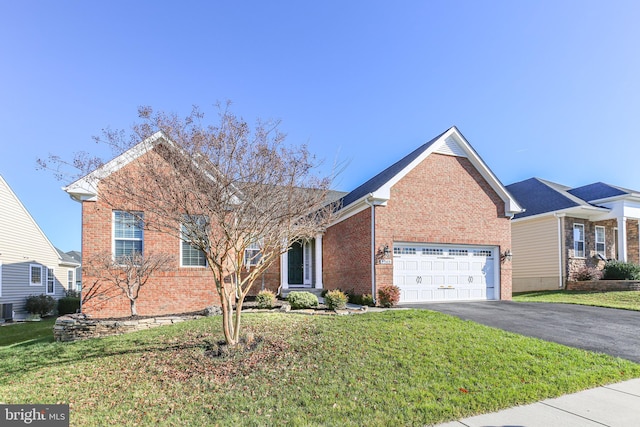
628, 300
404, 367
27, 332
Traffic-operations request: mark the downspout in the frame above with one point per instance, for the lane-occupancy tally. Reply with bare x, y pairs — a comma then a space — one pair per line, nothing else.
560, 254
373, 245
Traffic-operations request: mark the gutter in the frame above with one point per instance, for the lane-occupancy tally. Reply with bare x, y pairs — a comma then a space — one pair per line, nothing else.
373, 245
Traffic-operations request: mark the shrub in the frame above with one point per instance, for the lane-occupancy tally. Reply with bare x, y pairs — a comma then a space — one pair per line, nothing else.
388, 295
40, 304
72, 293
336, 300
302, 300
367, 299
265, 299
68, 305
587, 273
618, 270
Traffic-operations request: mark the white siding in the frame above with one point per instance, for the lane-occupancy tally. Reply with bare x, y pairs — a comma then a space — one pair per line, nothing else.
536, 263
23, 243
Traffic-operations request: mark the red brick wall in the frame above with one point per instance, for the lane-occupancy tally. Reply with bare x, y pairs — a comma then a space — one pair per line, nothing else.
346, 254
444, 200
183, 289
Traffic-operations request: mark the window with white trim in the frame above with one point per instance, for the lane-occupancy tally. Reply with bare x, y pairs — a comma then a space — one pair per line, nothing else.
35, 275
70, 279
578, 240
193, 229
600, 241
127, 233
252, 254
51, 281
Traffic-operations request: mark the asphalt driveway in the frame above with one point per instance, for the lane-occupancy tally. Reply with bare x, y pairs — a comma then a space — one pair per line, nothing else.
605, 330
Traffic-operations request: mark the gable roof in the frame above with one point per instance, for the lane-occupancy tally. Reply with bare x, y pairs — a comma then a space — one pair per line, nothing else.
599, 191
450, 142
375, 183
67, 258
540, 197
85, 188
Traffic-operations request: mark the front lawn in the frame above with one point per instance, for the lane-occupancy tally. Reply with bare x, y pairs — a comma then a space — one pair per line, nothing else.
628, 300
27, 332
404, 367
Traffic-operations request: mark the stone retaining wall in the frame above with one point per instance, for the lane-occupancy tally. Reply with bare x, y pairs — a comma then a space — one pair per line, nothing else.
74, 327
604, 285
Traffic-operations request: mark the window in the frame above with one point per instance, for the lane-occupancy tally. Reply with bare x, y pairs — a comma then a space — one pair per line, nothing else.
578, 240
51, 280
482, 252
432, 251
458, 252
252, 254
127, 233
600, 245
35, 275
192, 230
70, 280
404, 251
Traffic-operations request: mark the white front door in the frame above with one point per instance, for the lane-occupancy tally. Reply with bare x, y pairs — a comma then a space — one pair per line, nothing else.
426, 272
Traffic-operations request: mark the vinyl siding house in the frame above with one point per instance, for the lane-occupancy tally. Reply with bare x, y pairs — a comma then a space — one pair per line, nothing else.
564, 229
436, 223
29, 263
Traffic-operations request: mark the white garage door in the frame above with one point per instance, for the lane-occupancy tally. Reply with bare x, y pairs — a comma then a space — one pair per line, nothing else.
444, 272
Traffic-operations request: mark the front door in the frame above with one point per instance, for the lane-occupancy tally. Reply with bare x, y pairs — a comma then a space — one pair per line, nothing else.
296, 264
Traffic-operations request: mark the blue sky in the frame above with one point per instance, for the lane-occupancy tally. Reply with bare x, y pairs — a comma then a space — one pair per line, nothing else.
546, 88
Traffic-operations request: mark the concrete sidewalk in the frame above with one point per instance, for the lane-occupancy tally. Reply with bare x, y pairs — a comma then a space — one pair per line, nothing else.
612, 405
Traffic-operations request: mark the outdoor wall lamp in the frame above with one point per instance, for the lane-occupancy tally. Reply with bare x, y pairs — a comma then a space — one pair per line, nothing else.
386, 251
506, 256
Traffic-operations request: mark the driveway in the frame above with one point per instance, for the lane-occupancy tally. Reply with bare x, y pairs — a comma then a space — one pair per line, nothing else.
605, 330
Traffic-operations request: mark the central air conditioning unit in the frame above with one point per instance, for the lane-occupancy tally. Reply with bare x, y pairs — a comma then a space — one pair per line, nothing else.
6, 312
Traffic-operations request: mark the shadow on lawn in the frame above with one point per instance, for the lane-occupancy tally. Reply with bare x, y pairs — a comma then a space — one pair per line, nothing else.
41, 353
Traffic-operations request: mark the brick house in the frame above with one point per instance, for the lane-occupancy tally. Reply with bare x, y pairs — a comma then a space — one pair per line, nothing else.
436, 223
564, 229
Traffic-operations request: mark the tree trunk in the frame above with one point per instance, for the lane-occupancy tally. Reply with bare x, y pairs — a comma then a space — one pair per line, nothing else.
227, 318
134, 310
236, 324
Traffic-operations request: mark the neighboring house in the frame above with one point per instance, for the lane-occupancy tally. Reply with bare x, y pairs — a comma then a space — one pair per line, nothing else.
564, 229
73, 261
29, 263
436, 224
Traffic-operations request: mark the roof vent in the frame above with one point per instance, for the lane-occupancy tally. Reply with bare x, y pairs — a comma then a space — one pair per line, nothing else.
451, 147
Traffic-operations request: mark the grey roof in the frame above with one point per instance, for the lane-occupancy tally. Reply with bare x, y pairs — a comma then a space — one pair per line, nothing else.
538, 196
67, 258
598, 191
383, 177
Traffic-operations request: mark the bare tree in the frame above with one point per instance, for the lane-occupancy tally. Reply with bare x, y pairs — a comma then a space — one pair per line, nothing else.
127, 273
237, 194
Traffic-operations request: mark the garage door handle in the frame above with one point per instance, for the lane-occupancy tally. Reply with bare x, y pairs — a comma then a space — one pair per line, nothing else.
470, 279
419, 279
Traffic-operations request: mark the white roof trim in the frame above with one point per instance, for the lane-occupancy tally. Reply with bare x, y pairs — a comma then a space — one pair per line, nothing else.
447, 139
86, 188
592, 212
